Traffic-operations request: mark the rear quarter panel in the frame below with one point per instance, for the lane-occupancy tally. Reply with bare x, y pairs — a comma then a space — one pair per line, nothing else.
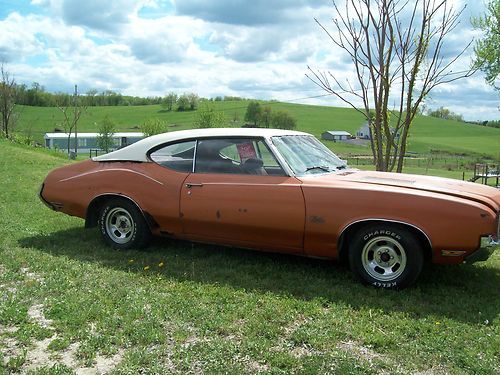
153, 188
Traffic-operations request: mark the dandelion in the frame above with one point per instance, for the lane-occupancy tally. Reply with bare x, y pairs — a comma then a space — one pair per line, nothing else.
160, 264
131, 261
438, 323
146, 268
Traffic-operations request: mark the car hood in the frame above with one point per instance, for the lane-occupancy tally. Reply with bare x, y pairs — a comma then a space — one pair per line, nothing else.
480, 193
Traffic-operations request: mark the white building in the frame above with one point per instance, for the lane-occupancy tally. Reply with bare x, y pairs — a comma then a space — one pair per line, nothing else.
336, 135
88, 141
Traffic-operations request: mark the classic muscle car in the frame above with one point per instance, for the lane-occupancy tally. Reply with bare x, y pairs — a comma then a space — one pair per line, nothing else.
281, 191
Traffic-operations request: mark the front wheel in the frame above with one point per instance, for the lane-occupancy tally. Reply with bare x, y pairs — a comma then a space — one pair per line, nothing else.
122, 225
386, 256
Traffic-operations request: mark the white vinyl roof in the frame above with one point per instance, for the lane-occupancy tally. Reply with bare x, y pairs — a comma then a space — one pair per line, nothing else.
60, 135
137, 151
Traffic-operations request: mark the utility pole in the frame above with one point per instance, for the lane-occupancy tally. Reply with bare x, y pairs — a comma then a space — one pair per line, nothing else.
75, 97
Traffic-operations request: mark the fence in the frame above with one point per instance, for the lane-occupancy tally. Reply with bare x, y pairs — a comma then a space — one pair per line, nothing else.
467, 165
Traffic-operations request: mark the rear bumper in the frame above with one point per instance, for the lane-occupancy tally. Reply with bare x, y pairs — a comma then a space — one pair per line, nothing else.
40, 195
488, 247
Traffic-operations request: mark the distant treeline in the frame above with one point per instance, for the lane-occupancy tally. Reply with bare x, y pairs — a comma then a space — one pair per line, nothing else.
446, 114
37, 96
491, 124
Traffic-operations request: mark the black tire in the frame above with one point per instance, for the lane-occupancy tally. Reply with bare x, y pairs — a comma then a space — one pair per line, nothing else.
122, 225
386, 256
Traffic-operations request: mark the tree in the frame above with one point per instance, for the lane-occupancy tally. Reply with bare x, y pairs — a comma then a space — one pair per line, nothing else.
446, 114
265, 117
153, 126
208, 117
91, 97
105, 139
183, 103
7, 101
283, 120
397, 58
253, 112
72, 112
193, 101
169, 101
488, 49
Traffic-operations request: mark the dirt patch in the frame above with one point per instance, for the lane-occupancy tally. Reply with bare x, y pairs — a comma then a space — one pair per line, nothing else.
31, 275
38, 353
35, 312
359, 350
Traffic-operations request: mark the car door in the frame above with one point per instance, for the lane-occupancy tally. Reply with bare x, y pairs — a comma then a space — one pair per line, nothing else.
226, 201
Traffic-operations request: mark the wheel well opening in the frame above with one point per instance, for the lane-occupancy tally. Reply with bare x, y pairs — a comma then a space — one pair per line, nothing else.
94, 208
350, 231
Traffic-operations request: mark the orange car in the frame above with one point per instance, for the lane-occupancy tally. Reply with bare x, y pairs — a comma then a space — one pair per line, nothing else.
281, 191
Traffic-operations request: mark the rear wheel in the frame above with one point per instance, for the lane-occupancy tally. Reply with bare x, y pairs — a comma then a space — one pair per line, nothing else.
122, 225
386, 256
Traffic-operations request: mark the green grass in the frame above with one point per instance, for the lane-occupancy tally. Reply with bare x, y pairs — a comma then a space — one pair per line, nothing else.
186, 308
428, 133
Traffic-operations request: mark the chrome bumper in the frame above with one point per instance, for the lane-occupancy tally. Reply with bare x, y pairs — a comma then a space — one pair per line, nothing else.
488, 247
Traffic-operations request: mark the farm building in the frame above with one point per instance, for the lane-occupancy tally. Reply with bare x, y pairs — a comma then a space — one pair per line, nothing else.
336, 135
365, 133
88, 141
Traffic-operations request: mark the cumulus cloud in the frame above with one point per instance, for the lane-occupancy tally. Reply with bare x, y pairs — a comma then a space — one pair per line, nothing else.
149, 47
16, 42
243, 12
164, 40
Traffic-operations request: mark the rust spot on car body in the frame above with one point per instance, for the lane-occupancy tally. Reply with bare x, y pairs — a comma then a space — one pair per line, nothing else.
316, 219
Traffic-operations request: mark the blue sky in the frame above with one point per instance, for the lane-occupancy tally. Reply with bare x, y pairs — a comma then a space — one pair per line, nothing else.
255, 49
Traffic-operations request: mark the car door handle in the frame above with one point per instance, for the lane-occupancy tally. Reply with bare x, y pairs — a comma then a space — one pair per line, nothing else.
189, 185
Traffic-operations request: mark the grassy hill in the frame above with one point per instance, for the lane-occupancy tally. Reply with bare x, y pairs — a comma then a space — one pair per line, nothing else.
428, 134
70, 304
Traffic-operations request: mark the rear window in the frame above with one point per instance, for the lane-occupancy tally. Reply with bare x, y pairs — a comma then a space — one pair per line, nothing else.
177, 156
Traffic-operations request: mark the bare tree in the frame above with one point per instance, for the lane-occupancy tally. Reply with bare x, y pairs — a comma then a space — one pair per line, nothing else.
71, 115
396, 47
8, 91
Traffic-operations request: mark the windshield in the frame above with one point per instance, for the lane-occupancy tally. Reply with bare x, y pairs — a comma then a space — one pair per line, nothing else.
305, 155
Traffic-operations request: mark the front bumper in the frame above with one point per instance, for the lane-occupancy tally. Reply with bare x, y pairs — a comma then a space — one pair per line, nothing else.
488, 247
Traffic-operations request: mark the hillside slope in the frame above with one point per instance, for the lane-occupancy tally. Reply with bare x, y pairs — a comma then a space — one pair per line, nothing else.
428, 133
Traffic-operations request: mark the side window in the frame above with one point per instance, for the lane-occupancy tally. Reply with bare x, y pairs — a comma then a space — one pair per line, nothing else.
236, 156
177, 156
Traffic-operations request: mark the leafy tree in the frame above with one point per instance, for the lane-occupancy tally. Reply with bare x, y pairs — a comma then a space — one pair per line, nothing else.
105, 139
282, 120
253, 112
396, 49
7, 101
183, 103
169, 101
193, 101
208, 117
488, 48
153, 126
265, 117
446, 114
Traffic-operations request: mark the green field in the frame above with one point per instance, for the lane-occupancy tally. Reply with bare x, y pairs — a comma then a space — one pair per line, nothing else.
68, 303
428, 134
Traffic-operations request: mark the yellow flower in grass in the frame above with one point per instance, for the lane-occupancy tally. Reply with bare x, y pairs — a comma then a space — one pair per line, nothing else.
146, 268
160, 264
131, 261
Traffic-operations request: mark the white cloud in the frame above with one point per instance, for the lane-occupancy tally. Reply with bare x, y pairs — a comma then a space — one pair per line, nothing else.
252, 49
